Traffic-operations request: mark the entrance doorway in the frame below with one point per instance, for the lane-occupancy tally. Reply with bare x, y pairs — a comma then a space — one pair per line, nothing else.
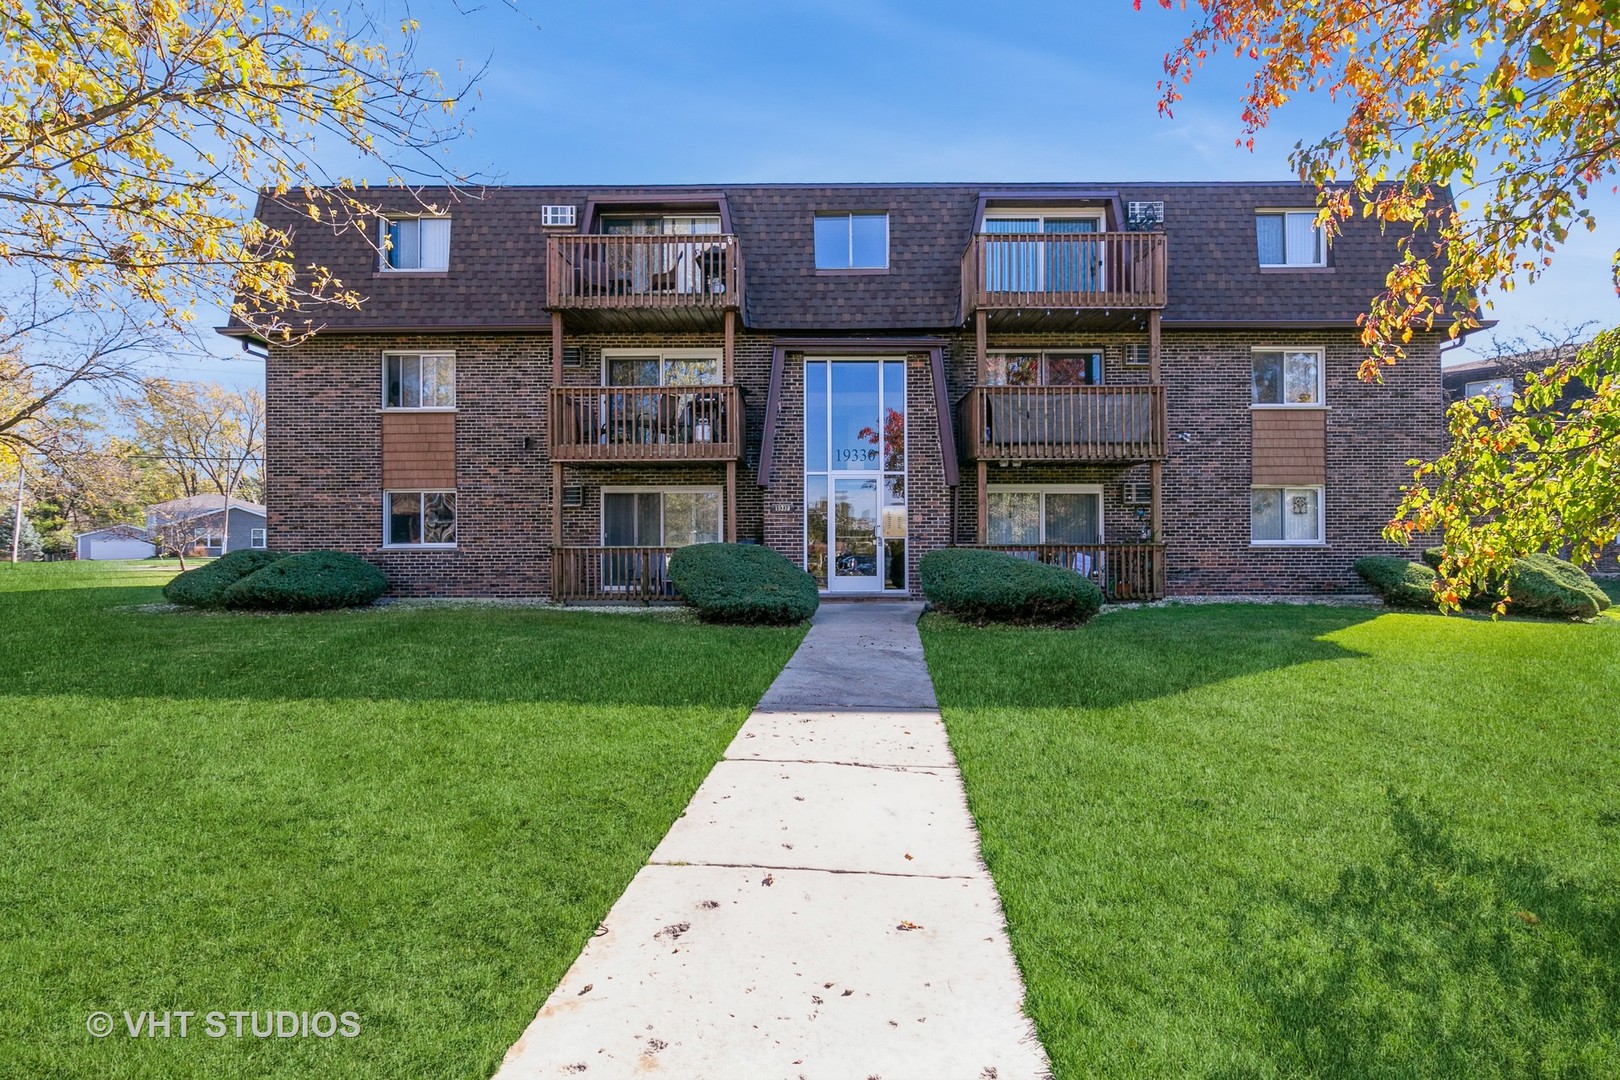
855, 474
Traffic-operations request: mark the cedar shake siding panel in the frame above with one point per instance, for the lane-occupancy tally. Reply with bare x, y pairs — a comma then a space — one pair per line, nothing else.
1290, 446
418, 451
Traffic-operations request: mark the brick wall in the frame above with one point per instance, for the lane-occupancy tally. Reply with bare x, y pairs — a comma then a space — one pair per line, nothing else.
324, 456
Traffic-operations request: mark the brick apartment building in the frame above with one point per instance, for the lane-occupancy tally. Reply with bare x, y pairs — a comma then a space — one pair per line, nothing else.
548, 389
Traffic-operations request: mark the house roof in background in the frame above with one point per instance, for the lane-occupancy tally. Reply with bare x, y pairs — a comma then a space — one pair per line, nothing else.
197, 505
496, 279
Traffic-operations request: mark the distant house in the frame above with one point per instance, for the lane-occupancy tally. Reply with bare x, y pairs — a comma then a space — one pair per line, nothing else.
208, 524
1501, 377
114, 542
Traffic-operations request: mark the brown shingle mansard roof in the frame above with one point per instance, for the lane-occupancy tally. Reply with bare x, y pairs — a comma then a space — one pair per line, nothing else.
496, 278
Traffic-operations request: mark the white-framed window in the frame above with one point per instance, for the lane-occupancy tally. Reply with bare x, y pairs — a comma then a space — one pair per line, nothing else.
415, 243
1290, 238
1498, 391
210, 538
677, 367
256, 538
1286, 377
1285, 515
419, 519
419, 380
1055, 367
857, 240
1048, 514
660, 517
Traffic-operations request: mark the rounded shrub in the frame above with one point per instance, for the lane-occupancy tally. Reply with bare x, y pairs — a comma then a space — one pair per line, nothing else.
204, 586
1400, 583
742, 583
990, 587
1547, 585
1539, 585
313, 581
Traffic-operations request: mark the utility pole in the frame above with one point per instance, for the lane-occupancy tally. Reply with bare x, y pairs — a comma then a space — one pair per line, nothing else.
225, 532
16, 517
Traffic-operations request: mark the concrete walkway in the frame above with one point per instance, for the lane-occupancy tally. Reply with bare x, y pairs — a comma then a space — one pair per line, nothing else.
819, 911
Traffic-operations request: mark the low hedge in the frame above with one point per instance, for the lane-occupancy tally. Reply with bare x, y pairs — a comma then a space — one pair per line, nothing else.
1400, 583
204, 586
991, 587
1540, 584
742, 583
313, 581
1546, 585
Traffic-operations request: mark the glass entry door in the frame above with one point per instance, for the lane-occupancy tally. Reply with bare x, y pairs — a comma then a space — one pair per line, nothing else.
855, 474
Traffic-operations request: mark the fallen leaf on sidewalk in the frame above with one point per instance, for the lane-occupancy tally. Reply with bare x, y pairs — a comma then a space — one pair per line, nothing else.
769, 880
585, 991
907, 924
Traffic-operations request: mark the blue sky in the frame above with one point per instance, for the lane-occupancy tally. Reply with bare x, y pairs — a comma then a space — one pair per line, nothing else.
709, 91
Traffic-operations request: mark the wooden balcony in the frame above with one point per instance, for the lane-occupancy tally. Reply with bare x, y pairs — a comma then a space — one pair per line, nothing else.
1123, 571
1051, 281
1120, 424
643, 282
606, 574
646, 423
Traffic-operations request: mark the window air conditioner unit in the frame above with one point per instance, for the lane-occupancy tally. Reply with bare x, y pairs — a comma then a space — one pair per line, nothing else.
573, 496
1138, 354
556, 217
573, 356
1142, 216
1138, 493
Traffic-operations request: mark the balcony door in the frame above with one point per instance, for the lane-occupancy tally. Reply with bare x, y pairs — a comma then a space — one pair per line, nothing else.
1069, 262
636, 520
661, 267
855, 474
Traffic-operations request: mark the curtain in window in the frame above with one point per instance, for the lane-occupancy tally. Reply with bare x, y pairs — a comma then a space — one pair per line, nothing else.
1302, 513
1303, 240
1071, 518
435, 241
1072, 265
1265, 514
1012, 265
1269, 230
1015, 517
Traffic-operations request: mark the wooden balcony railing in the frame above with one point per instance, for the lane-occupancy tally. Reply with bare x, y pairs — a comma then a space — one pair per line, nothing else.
1063, 423
646, 423
610, 573
1038, 271
1123, 571
701, 271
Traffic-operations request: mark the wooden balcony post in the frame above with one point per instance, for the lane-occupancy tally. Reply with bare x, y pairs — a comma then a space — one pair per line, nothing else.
556, 348
1157, 520
556, 504
983, 524
981, 338
731, 502
1153, 346
730, 347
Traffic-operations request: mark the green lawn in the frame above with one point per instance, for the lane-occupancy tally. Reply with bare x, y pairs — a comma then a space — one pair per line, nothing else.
416, 814
1269, 841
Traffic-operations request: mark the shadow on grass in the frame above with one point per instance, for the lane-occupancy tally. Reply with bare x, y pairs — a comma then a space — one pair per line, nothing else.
1133, 656
1436, 961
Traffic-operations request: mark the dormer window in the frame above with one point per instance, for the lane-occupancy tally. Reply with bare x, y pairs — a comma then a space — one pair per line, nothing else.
416, 243
852, 241
1290, 238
